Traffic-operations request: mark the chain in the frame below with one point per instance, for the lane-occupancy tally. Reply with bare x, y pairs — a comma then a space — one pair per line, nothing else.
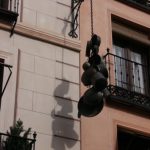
92, 32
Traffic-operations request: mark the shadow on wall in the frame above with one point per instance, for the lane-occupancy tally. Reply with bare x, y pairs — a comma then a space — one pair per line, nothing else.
64, 135
66, 23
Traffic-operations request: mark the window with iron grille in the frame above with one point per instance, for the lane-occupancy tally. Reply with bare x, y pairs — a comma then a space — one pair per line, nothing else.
131, 64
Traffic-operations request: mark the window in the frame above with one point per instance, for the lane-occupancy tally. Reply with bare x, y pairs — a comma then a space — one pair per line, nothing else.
129, 140
4, 4
128, 65
131, 64
1, 76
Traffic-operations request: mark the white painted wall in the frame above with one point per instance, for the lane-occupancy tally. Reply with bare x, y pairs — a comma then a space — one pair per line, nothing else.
48, 15
44, 89
46, 102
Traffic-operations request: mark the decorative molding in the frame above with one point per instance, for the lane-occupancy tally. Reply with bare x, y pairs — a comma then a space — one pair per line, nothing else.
131, 127
44, 36
141, 5
129, 18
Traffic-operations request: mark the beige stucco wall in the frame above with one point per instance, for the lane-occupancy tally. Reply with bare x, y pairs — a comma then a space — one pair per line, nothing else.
44, 88
48, 80
49, 15
100, 132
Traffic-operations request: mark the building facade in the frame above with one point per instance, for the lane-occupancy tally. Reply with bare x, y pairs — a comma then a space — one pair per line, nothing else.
43, 89
124, 28
46, 65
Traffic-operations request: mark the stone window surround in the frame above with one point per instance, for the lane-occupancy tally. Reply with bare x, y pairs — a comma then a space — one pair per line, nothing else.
111, 13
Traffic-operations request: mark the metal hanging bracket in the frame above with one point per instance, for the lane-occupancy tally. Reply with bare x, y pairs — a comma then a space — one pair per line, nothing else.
5, 85
75, 7
14, 24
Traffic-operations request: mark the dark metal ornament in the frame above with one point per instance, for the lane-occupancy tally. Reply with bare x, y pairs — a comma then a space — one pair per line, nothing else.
75, 7
95, 76
86, 66
88, 110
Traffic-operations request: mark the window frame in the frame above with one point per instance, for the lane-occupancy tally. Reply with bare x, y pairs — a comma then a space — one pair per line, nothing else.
131, 136
140, 6
126, 44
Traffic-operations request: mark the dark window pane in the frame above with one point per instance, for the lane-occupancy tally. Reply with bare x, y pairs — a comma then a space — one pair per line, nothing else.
4, 4
132, 141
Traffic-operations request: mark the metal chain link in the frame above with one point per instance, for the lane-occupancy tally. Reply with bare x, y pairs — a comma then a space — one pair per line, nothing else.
92, 32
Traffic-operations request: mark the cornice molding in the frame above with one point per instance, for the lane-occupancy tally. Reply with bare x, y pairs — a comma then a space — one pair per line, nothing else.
44, 36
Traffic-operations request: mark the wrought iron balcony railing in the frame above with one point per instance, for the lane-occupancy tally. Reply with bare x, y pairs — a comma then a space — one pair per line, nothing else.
9, 142
143, 5
129, 81
9, 12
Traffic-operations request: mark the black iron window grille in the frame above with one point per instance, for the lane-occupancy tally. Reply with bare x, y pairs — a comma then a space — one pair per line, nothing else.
2, 84
143, 5
9, 12
16, 142
128, 81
